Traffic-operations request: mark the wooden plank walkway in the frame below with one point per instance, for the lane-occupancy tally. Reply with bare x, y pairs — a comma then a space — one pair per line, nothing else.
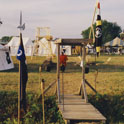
76, 109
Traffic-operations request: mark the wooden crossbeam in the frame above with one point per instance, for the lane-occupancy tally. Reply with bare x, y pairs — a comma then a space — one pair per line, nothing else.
90, 86
51, 85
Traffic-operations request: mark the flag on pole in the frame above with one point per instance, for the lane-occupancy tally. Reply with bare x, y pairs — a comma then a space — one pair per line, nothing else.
98, 35
23, 74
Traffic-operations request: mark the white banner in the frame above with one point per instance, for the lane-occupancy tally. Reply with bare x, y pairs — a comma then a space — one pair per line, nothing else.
5, 59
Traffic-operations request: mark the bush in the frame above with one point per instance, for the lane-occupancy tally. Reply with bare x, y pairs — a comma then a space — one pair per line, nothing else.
112, 107
9, 110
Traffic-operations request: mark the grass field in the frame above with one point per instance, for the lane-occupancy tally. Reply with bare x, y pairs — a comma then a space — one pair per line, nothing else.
109, 81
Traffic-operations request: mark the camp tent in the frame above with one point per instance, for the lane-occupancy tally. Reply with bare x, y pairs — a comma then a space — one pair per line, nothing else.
5, 59
115, 42
116, 46
14, 44
67, 48
45, 48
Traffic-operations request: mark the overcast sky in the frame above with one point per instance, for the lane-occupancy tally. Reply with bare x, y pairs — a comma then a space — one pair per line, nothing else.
66, 18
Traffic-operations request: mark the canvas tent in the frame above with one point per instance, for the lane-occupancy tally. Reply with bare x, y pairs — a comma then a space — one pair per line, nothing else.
14, 44
115, 46
115, 43
5, 59
45, 48
67, 48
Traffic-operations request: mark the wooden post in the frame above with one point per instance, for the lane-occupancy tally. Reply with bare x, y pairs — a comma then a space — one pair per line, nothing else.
83, 73
58, 72
63, 89
96, 74
42, 91
40, 69
19, 96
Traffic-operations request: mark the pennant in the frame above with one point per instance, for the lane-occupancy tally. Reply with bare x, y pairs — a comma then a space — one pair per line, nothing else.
23, 74
98, 5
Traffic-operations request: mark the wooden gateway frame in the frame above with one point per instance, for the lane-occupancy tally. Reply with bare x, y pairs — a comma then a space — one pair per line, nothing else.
72, 42
73, 107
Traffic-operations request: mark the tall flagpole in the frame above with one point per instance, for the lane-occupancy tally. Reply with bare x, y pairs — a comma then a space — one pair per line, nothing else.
92, 29
19, 95
19, 85
21, 27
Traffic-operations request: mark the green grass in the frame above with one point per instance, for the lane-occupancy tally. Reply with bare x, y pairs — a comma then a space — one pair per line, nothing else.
110, 76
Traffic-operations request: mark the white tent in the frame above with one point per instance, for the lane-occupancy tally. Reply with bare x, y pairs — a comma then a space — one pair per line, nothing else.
42, 48
67, 49
5, 59
115, 42
14, 44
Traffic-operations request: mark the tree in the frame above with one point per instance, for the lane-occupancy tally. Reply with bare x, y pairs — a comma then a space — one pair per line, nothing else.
109, 31
6, 39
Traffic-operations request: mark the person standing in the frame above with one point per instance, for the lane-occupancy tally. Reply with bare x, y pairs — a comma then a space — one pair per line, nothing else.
63, 59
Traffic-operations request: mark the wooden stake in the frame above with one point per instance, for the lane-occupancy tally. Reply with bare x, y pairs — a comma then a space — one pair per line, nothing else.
96, 74
42, 91
83, 73
40, 69
63, 89
58, 72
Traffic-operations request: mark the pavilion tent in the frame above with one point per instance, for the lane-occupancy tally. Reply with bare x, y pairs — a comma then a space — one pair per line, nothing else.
14, 44
117, 42
5, 59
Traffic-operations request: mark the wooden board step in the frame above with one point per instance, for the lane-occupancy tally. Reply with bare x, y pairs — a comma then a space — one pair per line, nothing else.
75, 108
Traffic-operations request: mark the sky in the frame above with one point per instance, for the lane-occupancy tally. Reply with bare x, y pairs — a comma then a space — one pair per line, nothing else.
66, 18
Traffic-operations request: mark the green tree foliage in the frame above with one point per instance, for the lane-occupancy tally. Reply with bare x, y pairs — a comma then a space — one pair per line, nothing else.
6, 39
109, 30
